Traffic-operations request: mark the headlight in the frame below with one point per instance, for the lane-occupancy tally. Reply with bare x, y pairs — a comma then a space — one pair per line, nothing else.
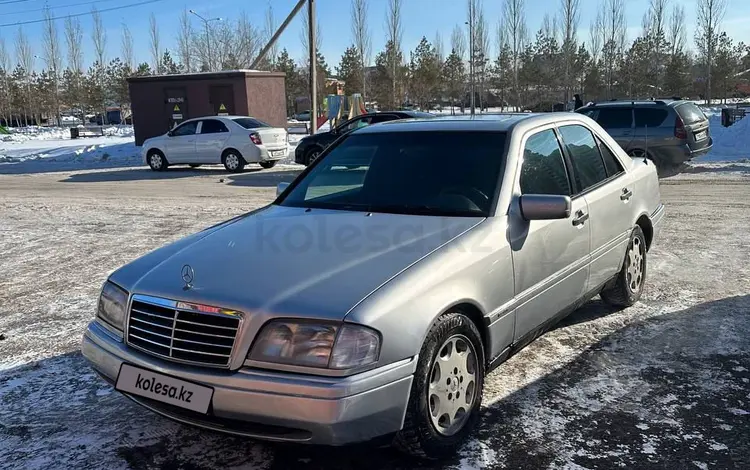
316, 345
113, 303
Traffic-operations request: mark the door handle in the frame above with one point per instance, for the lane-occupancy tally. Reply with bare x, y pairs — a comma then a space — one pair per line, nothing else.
626, 194
580, 218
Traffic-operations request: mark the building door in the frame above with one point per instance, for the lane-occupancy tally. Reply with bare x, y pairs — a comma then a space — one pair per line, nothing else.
222, 99
175, 106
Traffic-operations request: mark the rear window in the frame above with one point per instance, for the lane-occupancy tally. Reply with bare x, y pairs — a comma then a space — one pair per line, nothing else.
649, 117
251, 123
690, 113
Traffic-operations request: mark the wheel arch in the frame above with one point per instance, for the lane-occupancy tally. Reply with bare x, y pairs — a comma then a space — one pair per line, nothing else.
474, 312
644, 221
156, 150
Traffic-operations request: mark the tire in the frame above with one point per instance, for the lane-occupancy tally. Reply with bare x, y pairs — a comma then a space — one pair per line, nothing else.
269, 164
156, 160
233, 161
195, 165
628, 285
423, 435
312, 155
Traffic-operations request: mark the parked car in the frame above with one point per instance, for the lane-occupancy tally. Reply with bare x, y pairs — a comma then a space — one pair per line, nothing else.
233, 141
309, 148
668, 132
374, 294
303, 116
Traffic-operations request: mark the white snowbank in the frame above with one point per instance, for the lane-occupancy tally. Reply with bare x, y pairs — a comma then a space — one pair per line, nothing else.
39, 149
731, 144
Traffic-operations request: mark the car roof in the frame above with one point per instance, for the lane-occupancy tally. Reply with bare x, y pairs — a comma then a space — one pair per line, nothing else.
479, 122
617, 103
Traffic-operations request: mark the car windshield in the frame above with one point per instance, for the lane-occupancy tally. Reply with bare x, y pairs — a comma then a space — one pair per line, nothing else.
251, 123
422, 173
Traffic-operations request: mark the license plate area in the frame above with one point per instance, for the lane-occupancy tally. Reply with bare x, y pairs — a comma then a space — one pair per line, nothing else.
276, 153
701, 135
163, 388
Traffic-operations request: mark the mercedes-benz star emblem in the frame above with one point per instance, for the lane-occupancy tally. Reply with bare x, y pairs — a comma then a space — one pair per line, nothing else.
188, 275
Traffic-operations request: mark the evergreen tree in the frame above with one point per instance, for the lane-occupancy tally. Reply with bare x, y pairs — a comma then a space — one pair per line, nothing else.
383, 78
168, 65
350, 71
424, 74
502, 73
143, 70
454, 77
294, 82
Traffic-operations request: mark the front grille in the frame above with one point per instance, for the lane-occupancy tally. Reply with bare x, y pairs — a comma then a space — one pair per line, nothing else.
157, 326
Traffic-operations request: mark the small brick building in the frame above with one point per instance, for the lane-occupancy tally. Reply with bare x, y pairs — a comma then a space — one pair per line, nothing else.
160, 102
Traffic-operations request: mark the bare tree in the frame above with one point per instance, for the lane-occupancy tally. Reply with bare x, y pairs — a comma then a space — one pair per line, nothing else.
5, 102
304, 37
269, 29
246, 41
482, 53
615, 30
514, 18
25, 58
676, 36
458, 42
394, 31
362, 39
74, 41
709, 17
99, 37
654, 30
155, 43
184, 42
126, 48
569, 16
52, 56
437, 43
597, 36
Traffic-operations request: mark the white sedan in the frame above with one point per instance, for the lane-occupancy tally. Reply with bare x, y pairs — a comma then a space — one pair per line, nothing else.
233, 141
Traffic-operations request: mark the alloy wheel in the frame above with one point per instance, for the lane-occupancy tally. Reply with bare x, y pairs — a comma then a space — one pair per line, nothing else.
451, 393
635, 264
232, 161
314, 156
156, 161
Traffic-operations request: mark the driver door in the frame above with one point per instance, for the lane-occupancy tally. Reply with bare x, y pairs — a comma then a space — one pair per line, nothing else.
181, 143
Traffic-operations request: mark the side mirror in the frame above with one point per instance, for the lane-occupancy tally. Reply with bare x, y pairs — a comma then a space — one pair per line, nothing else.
170, 133
544, 206
281, 188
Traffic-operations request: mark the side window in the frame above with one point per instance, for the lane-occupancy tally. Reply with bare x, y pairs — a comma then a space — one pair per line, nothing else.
543, 169
188, 128
611, 163
355, 123
615, 118
649, 117
212, 126
382, 118
583, 151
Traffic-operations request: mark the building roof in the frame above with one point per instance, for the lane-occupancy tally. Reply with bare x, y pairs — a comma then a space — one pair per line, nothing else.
205, 75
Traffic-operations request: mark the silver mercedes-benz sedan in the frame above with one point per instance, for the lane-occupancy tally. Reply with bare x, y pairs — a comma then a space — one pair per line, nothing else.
374, 294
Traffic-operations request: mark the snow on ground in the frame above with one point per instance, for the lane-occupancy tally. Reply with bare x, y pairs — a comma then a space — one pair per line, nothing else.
730, 143
663, 384
37, 149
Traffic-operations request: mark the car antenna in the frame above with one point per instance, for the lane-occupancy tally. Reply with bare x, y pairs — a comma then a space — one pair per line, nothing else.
645, 154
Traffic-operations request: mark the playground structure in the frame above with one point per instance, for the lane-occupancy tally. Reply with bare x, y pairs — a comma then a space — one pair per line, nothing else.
336, 106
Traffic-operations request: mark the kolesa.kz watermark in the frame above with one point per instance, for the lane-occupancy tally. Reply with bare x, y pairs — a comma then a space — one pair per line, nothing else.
151, 385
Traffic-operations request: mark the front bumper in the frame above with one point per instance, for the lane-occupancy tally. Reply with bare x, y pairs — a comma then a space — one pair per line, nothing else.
270, 405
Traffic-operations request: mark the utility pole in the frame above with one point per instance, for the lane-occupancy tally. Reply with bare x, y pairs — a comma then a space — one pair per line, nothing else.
471, 56
208, 37
313, 67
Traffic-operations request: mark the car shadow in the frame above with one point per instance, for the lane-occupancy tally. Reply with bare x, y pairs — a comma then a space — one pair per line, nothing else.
145, 173
261, 179
654, 383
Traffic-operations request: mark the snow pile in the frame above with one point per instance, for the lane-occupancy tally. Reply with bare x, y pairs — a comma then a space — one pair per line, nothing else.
730, 143
25, 134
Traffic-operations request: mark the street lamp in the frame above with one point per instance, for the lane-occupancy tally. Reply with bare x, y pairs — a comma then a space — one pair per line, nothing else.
208, 38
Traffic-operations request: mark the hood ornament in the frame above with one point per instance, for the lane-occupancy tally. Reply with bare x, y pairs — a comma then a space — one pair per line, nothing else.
188, 274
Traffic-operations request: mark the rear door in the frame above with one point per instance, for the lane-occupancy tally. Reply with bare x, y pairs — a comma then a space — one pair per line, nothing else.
211, 141
651, 127
181, 143
618, 122
696, 126
601, 180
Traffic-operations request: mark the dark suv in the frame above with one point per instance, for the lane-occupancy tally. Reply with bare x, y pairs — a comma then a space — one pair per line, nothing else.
310, 147
668, 132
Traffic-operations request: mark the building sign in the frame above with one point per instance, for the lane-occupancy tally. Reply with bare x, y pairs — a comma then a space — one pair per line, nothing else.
176, 113
223, 110
178, 99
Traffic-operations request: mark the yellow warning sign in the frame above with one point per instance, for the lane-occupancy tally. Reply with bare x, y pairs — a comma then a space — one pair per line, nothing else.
222, 107
176, 108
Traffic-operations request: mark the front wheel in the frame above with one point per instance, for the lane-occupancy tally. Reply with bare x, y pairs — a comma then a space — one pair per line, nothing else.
628, 285
268, 164
446, 394
157, 161
312, 155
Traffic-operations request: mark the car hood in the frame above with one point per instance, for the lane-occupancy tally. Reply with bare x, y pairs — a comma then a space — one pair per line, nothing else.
291, 261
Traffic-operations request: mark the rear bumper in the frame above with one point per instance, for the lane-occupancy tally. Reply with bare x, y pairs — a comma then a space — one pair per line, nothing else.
673, 155
264, 153
270, 405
